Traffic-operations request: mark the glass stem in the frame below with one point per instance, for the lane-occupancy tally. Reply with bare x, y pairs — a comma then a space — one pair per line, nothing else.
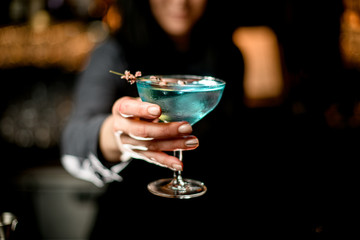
178, 180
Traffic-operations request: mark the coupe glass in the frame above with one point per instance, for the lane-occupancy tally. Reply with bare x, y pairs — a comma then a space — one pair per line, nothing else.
181, 98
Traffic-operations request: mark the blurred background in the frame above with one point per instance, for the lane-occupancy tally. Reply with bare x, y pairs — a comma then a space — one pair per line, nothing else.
44, 44
302, 61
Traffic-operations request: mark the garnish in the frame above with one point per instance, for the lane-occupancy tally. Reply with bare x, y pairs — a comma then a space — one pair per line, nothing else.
131, 78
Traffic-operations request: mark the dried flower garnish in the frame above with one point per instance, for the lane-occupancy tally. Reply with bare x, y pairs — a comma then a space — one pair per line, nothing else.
131, 78
153, 78
181, 82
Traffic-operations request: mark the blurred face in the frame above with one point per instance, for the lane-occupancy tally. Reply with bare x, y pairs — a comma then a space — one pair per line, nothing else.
177, 17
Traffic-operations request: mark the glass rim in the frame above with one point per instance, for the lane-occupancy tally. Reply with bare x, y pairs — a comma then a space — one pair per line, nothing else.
145, 79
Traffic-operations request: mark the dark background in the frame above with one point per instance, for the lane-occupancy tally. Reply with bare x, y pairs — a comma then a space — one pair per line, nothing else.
320, 139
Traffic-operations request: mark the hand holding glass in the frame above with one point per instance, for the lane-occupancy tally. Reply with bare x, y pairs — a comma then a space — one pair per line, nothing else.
181, 98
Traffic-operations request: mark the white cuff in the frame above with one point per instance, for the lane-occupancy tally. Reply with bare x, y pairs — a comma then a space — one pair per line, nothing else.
92, 170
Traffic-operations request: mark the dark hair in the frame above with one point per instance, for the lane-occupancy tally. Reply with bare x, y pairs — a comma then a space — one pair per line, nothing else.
149, 49
143, 37
137, 23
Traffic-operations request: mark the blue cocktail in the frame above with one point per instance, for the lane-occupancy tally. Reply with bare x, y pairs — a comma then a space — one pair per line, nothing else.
181, 98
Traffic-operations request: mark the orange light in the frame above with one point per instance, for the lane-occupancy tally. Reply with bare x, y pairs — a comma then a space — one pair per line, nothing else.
113, 18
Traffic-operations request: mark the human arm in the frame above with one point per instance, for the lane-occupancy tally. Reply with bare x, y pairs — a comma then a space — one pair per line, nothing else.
90, 148
95, 92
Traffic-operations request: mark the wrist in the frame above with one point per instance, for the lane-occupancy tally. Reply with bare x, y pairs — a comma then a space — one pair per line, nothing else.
107, 142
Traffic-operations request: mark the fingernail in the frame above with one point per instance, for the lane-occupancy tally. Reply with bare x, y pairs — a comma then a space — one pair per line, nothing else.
154, 110
192, 142
176, 167
126, 115
185, 128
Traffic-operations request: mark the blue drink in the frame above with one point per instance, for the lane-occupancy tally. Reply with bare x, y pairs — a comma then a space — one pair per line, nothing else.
188, 101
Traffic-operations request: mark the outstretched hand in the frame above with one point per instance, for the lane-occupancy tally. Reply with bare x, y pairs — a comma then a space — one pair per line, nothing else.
139, 134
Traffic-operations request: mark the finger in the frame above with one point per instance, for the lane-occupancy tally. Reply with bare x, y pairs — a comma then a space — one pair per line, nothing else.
183, 143
127, 106
143, 130
165, 160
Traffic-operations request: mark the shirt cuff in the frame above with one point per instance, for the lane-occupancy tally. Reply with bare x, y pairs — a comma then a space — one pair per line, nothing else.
91, 169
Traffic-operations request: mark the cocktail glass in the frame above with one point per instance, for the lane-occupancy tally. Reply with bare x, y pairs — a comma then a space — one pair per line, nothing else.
181, 98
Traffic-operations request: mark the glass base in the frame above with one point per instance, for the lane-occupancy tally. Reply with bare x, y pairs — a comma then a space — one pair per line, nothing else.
166, 188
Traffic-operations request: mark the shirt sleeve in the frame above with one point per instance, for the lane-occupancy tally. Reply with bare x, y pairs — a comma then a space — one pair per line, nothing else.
95, 93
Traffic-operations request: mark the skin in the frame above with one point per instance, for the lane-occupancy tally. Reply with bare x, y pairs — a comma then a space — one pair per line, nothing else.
144, 123
178, 17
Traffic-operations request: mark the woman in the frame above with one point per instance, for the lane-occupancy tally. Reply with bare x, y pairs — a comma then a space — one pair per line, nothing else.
176, 39
157, 37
